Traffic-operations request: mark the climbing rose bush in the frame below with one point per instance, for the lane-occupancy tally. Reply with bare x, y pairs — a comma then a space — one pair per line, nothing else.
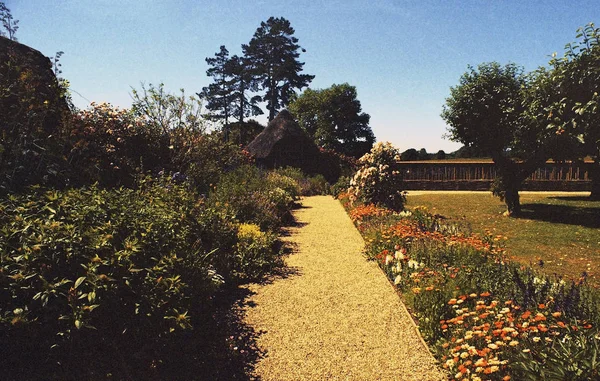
376, 181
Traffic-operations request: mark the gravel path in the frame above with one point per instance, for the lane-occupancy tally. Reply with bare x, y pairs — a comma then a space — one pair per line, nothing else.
336, 317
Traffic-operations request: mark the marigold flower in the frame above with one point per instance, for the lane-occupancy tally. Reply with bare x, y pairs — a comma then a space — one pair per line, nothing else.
556, 314
484, 294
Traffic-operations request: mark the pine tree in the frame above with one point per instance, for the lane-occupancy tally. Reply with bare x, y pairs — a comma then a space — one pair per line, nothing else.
244, 83
273, 53
220, 94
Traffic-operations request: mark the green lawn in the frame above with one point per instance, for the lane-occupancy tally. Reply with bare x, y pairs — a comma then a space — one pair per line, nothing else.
558, 233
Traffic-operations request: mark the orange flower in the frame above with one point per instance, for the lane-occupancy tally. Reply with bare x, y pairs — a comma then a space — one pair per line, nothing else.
484, 294
541, 306
526, 315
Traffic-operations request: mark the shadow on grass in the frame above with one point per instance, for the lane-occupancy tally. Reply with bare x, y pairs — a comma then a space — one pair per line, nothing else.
572, 198
562, 214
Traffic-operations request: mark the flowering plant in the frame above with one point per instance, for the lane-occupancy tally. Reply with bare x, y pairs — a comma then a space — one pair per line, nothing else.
111, 145
485, 316
376, 180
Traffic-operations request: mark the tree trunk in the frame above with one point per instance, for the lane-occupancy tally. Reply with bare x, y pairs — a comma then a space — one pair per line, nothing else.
512, 200
595, 176
508, 183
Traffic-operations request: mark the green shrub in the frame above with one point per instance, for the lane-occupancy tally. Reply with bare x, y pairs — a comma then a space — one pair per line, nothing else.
315, 185
32, 105
111, 146
286, 183
203, 158
309, 185
256, 251
252, 198
340, 186
89, 272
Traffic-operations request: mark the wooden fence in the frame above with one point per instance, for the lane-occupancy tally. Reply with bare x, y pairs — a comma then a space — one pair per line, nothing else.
479, 175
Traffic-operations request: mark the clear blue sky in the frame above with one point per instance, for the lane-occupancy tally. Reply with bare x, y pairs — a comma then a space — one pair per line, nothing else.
402, 56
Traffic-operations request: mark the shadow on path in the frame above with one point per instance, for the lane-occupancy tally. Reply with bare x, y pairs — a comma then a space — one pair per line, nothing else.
222, 347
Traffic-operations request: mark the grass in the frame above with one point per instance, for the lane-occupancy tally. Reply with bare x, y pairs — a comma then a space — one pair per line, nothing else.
557, 233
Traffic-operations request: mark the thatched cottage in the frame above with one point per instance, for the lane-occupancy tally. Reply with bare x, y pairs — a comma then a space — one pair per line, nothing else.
284, 143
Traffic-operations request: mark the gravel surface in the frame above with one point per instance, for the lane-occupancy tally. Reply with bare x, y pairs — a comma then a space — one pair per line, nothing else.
335, 317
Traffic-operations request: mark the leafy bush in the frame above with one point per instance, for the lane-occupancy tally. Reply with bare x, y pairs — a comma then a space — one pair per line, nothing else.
252, 198
340, 186
256, 251
286, 183
105, 271
314, 185
111, 146
309, 185
376, 180
32, 105
203, 158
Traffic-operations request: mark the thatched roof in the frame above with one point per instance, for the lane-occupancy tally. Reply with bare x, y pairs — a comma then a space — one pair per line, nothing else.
281, 129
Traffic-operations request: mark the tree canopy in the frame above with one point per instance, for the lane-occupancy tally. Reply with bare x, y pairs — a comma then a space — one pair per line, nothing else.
220, 93
487, 111
333, 117
574, 111
273, 54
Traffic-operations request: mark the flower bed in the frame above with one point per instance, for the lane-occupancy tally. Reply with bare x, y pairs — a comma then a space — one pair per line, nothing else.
484, 317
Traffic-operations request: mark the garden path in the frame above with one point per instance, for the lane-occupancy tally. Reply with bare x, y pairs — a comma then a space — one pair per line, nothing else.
335, 317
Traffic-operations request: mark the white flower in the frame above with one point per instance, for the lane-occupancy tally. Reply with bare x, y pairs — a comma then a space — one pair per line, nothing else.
399, 254
412, 264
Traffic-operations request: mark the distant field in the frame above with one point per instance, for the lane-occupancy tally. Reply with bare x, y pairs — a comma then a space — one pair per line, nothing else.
557, 233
